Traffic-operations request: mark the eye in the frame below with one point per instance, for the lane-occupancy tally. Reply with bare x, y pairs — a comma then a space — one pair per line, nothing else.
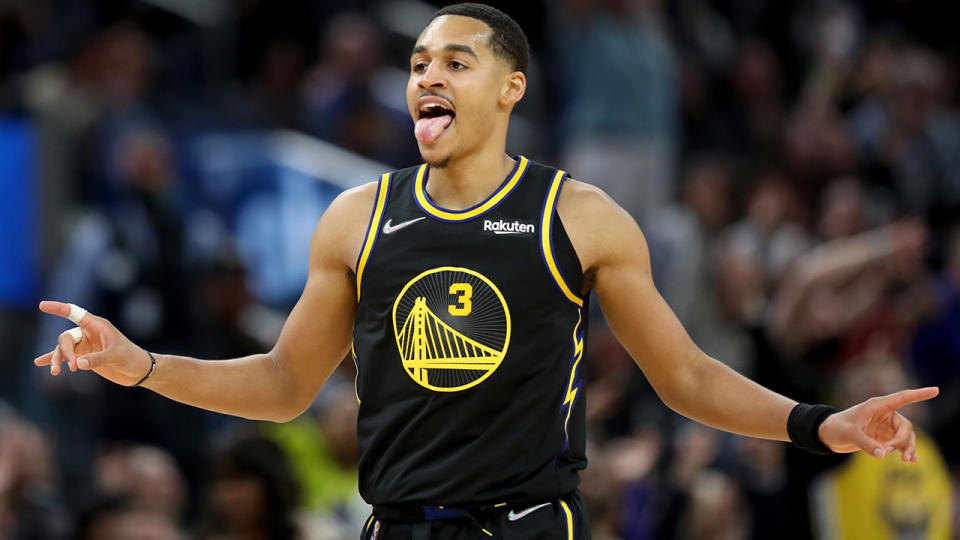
419, 67
457, 65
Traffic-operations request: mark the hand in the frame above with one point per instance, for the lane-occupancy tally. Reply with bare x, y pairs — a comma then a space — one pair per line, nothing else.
103, 349
875, 426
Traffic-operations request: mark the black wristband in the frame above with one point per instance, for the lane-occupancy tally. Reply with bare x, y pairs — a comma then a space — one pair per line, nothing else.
803, 426
153, 366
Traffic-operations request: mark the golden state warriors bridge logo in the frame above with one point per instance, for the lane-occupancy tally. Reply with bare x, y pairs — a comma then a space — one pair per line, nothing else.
452, 327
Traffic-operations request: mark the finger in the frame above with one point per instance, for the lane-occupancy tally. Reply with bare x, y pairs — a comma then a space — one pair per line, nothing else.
909, 455
75, 313
906, 397
868, 445
55, 362
93, 360
66, 343
44, 360
76, 333
901, 437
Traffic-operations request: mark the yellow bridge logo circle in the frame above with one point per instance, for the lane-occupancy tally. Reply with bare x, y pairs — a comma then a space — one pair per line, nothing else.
452, 327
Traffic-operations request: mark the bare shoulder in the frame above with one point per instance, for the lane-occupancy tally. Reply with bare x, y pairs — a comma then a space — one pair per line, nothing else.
581, 200
354, 200
597, 226
339, 235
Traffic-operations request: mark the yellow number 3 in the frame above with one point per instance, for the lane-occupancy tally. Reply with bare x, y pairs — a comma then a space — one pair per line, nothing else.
464, 292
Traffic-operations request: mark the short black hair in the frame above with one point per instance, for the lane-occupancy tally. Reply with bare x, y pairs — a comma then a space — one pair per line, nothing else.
507, 39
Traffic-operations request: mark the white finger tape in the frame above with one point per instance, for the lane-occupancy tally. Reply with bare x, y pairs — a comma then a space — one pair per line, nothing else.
76, 313
76, 334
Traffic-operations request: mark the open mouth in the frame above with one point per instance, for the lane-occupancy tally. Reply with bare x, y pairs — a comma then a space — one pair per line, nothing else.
434, 117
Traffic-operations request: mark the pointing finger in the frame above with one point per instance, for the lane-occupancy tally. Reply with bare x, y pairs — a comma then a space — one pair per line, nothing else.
906, 397
68, 311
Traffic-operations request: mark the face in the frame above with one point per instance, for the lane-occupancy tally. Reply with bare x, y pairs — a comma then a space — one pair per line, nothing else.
459, 93
241, 501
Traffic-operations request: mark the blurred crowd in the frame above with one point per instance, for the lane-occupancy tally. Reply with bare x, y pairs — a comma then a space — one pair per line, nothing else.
795, 167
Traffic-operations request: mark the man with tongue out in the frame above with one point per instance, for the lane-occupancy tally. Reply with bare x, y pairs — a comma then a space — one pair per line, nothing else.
468, 338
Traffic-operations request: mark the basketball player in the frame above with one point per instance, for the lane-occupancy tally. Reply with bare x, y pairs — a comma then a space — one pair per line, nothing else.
459, 288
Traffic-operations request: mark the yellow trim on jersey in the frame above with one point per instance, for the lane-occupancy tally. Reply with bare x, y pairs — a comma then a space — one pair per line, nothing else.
546, 235
366, 528
356, 376
571, 394
462, 215
566, 510
374, 228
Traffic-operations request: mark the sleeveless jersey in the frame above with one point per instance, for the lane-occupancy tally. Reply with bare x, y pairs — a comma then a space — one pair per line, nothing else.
468, 342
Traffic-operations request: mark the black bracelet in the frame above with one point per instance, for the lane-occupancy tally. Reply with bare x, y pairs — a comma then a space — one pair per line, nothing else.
153, 366
803, 426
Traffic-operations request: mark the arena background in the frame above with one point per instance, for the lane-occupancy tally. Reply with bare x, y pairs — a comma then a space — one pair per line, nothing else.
795, 166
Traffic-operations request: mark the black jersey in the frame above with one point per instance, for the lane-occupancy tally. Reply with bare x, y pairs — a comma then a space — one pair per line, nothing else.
468, 342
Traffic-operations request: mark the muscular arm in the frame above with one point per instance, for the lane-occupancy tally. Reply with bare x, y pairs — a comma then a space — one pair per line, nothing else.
614, 256
613, 253
277, 385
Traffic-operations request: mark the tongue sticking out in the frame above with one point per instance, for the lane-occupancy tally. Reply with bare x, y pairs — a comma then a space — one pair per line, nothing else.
428, 129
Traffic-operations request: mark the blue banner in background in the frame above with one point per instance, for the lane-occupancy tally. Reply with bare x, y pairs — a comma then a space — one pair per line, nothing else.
20, 236
269, 190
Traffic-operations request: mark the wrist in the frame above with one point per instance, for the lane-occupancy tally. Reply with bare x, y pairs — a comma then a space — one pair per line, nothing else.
153, 368
804, 427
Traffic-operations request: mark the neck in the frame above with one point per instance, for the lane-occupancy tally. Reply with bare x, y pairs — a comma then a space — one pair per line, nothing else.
468, 180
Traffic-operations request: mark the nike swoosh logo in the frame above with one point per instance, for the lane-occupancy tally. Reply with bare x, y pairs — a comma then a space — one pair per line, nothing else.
387, 228
515, 516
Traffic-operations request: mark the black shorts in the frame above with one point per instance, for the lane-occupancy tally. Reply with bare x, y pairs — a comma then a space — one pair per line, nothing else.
560, 519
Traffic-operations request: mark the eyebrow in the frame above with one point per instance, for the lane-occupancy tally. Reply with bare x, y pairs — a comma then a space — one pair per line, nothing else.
452, 47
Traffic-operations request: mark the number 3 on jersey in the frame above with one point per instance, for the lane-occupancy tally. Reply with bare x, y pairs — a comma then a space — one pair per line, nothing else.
464, 292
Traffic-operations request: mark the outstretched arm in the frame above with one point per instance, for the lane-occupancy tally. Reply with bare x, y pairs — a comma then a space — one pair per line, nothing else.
277, 385
614, 256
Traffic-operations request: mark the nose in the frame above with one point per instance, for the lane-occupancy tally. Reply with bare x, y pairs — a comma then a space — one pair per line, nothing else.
432, 78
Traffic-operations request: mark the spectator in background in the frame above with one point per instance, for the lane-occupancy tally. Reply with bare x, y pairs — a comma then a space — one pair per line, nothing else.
816, 146
627, 484
935, 350
879, 500
253, 493
906, 137
843, 210
683, 239
146, 477
351, 100
717, 511
117, 518
126, 75
128, 258
620, 126
681, 235
764, 477
755, 251
322, 449
30, 505
829, 288
230, 317
758, 108
271, 99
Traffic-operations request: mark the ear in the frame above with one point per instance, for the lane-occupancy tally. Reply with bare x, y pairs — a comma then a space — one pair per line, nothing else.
513, 89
